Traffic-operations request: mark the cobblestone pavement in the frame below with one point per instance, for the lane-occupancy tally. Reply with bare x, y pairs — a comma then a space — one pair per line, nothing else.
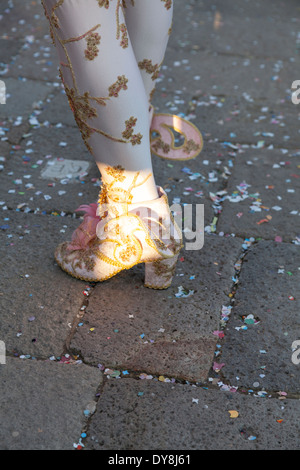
116, 365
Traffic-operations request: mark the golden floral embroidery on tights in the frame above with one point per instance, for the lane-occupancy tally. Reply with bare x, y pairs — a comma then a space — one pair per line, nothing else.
79, 103
120, 4
116, 172
167, 4
124, 38
85, 130
147, 65
83, 36
114, 191
151, 95
50, 24
93, 40
128, 133
103, 3
120, 84
83, 110
54, 18
121, 27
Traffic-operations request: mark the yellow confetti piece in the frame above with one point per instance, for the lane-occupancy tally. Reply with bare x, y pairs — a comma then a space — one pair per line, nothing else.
233, 413
161, 378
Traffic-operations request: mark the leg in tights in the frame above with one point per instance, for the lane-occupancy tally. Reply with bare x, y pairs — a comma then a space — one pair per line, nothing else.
149, 26
108, 80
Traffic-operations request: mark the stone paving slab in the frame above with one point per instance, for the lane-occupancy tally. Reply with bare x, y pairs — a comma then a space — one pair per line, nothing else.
161, 334
210, 54
24, 182
147, 415
57, 110
39, 61
270, 181
9, 49
43, 403
38, 300
239, 123
241, 28
228, 115
21, 95
239, 77
247, 105
269, 290
20, 20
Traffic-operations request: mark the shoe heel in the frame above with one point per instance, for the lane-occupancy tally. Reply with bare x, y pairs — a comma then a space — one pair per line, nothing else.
159, 274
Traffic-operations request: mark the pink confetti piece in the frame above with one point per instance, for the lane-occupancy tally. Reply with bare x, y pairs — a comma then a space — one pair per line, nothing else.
218, 333
217, 367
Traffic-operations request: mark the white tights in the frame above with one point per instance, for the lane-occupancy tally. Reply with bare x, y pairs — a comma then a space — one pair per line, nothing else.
110, 53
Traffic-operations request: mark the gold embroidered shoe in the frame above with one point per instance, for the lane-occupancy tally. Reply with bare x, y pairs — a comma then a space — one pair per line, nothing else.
125, 234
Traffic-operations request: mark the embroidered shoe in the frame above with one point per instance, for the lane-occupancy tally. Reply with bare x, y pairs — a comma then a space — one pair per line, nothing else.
119, 235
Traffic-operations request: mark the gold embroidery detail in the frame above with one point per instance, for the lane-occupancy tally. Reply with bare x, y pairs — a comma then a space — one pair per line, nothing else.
53, 15
78, 38
116, 172
50, 24
82, 110
120, 4
63, 43
128, 250
160, 144
167, 4
151, 95
120, 84
162, 268
147, 65
103, 3
93, 40
124, 39
190, 145
85, 259
128, 133
116, 193
81, 103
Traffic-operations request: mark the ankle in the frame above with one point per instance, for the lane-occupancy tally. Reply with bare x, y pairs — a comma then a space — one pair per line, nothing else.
119, 185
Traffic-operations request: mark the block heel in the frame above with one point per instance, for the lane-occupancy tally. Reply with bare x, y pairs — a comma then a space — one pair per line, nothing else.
159, 274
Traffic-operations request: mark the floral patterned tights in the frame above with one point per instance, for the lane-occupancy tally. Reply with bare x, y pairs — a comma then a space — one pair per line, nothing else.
110, 53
